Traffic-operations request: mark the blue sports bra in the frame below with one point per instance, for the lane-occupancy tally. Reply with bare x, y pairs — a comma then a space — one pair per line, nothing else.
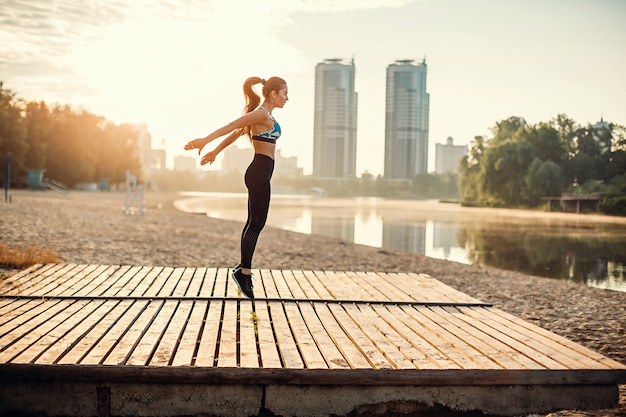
271, 135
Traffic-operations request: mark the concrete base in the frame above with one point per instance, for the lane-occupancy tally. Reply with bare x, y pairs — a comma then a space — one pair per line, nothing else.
139, 400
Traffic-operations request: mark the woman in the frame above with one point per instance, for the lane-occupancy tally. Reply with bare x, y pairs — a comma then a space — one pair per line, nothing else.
263, 130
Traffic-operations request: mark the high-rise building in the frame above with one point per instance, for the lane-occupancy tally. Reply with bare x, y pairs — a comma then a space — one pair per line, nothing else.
334, 129
448, 156
406, 120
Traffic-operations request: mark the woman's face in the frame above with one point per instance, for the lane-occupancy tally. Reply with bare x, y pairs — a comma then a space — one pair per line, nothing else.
280, 97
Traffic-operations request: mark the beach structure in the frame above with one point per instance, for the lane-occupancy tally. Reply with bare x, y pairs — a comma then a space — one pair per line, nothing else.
111, 340
134, 201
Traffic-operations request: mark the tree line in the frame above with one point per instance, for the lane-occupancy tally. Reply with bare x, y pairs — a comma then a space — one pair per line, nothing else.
70, 146
522, 163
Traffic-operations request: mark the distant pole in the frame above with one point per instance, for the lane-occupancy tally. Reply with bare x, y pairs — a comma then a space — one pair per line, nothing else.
7, 179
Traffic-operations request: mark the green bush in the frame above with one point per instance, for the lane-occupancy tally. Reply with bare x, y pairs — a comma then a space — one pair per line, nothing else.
615, 206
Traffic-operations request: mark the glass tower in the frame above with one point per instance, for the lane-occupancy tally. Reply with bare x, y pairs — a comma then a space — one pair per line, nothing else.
406, 120
334, 129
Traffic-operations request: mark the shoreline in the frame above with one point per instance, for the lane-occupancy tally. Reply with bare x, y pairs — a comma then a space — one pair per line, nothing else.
90, 228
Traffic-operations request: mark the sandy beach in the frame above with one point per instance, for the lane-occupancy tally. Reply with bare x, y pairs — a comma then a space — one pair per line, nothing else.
90, 227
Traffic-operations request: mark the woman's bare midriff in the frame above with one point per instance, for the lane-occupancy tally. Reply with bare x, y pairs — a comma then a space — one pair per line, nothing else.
264, 148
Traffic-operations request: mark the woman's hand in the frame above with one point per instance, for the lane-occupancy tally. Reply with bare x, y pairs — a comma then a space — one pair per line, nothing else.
196, 144
209, 158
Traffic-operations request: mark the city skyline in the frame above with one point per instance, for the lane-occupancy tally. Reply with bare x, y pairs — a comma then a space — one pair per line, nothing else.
178, 67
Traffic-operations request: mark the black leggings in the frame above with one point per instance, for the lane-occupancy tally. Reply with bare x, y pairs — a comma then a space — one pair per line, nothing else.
257, 179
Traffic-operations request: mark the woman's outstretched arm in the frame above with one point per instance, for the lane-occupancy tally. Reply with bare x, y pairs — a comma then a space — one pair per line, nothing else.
247, 119
209, 157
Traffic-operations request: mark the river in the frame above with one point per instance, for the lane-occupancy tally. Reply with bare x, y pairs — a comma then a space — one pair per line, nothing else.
589, 249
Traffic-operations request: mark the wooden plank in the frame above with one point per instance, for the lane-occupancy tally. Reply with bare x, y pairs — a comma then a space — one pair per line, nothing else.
269, 286
448, 332
284, 339
305, 285
109, 340
210, 333
12, 284
311, 355
422, 329
69, 285
125, 347
571, 354
374, 357
208, 283
483, 320
24, 284
55, 343
317, 286
284, 291
196, 282
53, 280
231, 287
132, 283
392, 355
418, 288
293, 283
110, 273
388, 288
117, 285
152, 333
248, 355
189, 340
168, 340
485, 344
416, 358
351, 286
99, 327
183, 283
172, 281
227, 356
110, 286
29, 320
11, 309
38, 338
368, 286
160, 280
221, 280
268, 348
56, 351
440, 290
332, 355
331, 282
424, 354
346, 346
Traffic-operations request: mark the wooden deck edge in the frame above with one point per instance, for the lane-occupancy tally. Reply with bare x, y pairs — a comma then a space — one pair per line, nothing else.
259, 376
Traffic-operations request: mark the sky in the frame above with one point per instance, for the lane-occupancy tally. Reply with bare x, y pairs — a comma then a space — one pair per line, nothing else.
178, 66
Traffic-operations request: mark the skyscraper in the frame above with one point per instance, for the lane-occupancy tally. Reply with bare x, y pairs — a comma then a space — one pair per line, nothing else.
406, 120
334, 130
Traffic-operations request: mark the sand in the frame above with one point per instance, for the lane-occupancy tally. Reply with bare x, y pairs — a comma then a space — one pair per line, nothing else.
90, 227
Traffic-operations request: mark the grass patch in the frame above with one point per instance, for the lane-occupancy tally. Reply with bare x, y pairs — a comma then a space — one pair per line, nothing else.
23, 257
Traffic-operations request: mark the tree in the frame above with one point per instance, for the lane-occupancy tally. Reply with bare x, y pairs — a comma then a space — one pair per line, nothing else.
542, 180
37, 123
469, 182
503, 170
12, 134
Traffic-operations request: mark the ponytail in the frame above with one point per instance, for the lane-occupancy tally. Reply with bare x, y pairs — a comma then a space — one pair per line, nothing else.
252, 98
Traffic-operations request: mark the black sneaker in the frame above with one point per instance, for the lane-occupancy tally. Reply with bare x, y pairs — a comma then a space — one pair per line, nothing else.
244, 282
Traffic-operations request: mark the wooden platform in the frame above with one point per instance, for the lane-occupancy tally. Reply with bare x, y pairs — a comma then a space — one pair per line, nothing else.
312, 342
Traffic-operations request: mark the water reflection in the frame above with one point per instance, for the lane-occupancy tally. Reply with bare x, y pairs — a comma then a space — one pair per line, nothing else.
580, 248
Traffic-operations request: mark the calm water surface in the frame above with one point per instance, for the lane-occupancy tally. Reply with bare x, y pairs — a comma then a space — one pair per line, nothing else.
589, 249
